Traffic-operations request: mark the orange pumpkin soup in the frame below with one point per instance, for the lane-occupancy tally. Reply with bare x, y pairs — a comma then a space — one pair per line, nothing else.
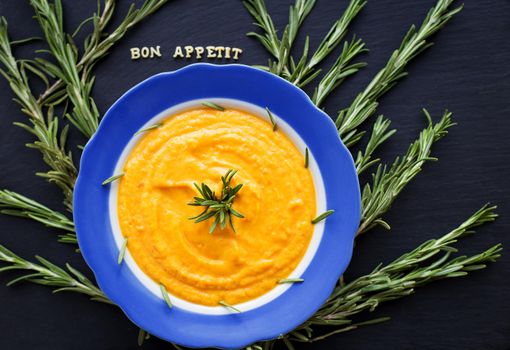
277, 200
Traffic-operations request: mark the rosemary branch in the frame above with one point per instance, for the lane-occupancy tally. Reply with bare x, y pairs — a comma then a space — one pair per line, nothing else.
55, 93
414, 42
379, 135
85, 115
45, 128
47, 273
98, 44
97, 49
340, 70
15, 204
388, 182
400, 277
305, 70
302, 74
278, 47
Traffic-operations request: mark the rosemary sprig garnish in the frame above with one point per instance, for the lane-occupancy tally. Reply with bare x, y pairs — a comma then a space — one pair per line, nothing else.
122, 251
112, 178
340, 70
98, 43
279, 48
228, 306
415, 41
15, 204
47, 273
50, 142
85, 115
307, 71
149, 128
290, 280
379, 135
271, 118
388, 182
213, 105
303, 71
219, 208
322, 216
165, 296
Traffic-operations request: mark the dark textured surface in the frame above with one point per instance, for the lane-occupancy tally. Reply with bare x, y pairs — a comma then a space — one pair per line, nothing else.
466, 71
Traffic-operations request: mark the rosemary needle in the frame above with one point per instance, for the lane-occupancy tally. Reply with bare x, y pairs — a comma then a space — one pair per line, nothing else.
322, 216
122, 251
113, 178
152, 127
291, 280
275, 126
164, 293
142, 336
228, 306
213, 105
307, 157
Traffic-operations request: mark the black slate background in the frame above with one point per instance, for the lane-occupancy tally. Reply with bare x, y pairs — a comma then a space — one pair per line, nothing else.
466, 71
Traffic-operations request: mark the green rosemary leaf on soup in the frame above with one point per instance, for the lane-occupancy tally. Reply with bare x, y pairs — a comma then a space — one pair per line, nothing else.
122, 251
213, 105
149, 128
113, 178
271, 118
291, 280
165, 296
228, 306
307, 157
219, 208
322, 216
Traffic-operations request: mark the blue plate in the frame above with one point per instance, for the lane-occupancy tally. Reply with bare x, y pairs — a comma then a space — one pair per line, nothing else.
126, 286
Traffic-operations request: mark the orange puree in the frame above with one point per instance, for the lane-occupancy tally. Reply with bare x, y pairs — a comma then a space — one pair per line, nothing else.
277, 200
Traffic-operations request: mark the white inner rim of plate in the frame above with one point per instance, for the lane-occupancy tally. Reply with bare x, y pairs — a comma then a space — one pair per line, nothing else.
280, 288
